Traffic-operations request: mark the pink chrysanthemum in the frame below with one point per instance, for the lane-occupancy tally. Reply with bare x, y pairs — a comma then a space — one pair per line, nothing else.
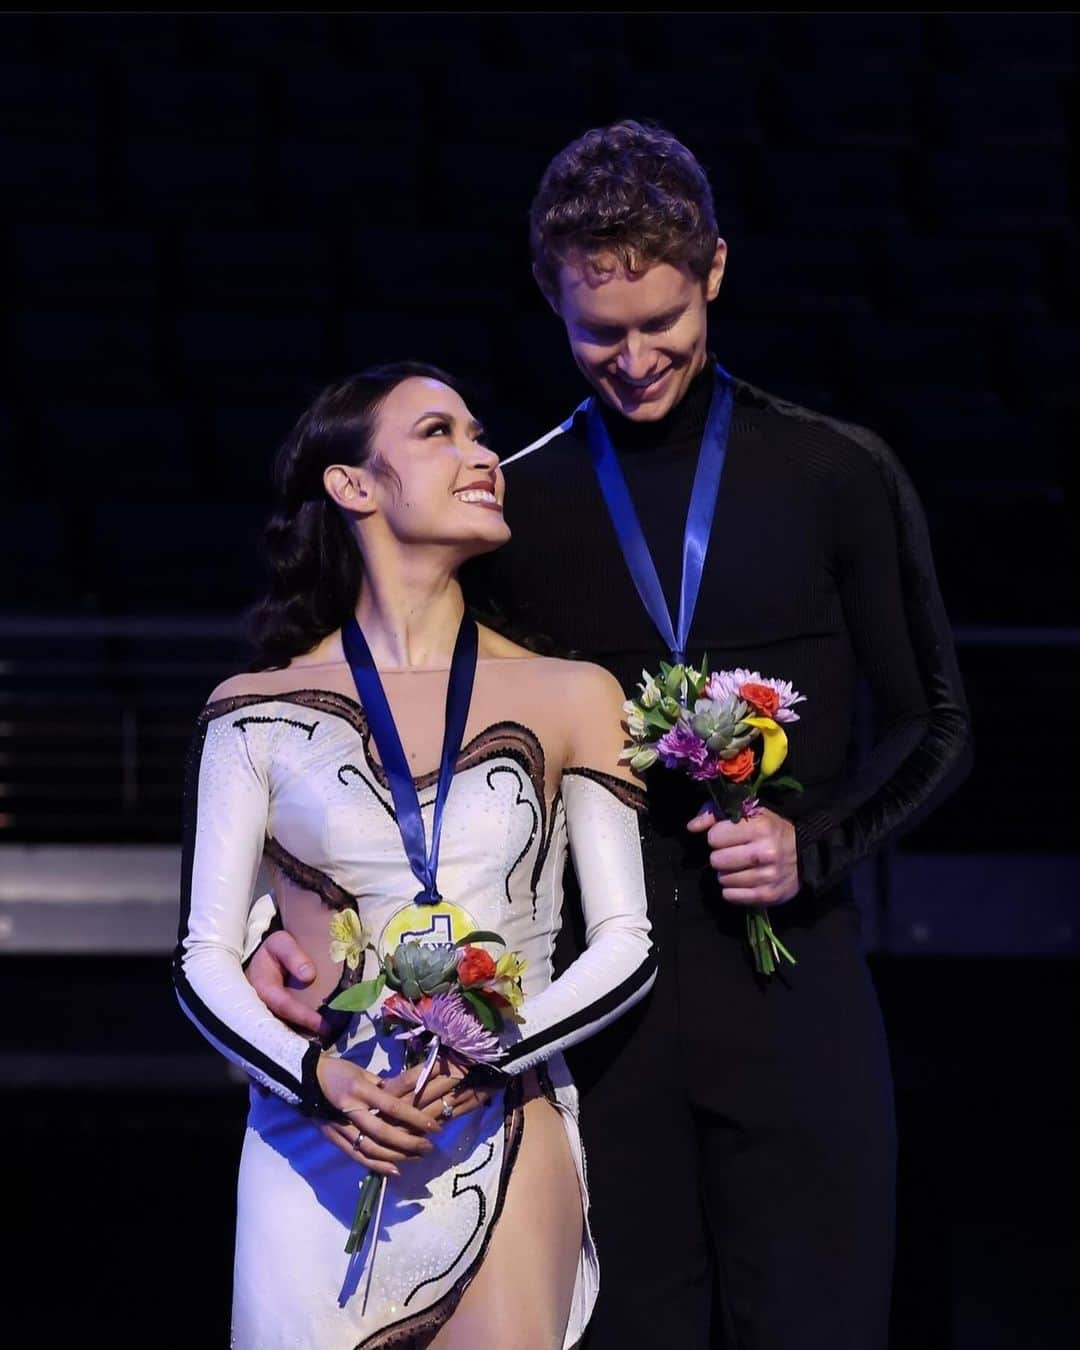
725, 684
447, 1017
681, 746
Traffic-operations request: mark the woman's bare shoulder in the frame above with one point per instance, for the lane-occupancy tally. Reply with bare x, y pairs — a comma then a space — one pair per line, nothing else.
493, 646
248, 683
587, 683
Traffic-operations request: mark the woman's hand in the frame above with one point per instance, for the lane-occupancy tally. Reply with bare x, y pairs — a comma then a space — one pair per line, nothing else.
386, 1127
442, 1099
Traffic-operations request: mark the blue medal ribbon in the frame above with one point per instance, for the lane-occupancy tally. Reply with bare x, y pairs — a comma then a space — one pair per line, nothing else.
423, 860
699, 517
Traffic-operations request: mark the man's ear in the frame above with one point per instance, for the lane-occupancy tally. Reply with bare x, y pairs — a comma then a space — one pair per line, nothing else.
553, 300
350, 487
716, 271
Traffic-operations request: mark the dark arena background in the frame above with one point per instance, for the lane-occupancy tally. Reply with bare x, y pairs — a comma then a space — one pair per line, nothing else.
206, 217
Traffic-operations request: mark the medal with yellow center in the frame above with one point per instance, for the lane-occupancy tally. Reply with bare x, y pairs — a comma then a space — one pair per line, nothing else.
430, 924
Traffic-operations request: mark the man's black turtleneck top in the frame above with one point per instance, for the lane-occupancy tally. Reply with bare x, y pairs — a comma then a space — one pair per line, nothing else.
819, 569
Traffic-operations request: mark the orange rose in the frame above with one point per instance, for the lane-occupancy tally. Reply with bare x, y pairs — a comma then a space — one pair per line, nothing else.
761, 697
475, 966
740, 768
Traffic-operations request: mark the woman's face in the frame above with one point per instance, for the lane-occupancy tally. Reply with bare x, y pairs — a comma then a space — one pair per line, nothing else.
450, 488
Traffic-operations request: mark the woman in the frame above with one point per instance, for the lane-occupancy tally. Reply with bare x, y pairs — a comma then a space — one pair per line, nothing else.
386, 488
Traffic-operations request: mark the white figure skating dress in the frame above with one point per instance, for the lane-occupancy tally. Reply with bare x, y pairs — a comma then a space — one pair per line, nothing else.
285, 771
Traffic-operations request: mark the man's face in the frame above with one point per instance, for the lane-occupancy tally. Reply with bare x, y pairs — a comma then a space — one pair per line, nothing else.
638, 338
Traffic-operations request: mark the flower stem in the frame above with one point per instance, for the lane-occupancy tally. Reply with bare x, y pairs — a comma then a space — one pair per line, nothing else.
365, 1205
767, 947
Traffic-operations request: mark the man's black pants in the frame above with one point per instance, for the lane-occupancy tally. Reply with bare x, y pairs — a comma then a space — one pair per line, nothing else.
740, 1144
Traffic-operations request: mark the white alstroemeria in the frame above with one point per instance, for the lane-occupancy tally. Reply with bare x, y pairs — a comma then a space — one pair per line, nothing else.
651, 693
635, 721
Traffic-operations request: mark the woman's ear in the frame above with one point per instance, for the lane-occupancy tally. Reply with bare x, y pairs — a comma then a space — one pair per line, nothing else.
349, 487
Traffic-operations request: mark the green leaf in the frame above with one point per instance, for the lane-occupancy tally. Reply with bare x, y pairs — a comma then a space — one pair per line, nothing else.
487, 1016
480, 936
655, 718
665, 670
786, 781
359, 997
705, 666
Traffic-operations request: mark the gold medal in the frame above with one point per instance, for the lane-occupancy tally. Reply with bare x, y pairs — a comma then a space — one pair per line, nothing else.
430, 924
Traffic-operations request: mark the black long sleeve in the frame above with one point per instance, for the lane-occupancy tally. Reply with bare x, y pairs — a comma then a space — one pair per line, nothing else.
903, 645
819, 569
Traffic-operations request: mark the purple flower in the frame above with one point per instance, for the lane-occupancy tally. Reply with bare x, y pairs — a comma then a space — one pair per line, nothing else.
681, 745
788, 697
448, 1018
709, 768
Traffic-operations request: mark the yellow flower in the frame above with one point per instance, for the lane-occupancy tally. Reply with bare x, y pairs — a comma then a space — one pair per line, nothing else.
775, 739
507, 979
348, 937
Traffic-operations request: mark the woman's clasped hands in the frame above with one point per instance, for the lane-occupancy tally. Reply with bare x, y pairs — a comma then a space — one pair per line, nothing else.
389, 1124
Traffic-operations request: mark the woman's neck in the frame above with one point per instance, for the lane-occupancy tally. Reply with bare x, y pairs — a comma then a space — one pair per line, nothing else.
411, 621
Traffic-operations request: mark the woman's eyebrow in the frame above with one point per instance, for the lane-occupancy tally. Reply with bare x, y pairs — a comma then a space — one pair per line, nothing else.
474, 425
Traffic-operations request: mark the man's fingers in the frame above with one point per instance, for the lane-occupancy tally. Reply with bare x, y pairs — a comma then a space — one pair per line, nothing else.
755, 880
745, 895
286, 1006
285, 949
727, 833
740, 858
704, 820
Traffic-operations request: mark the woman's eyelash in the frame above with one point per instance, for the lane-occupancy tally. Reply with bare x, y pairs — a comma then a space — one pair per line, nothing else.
479, 434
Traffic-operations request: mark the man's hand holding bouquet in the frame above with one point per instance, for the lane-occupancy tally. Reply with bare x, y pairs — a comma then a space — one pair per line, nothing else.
724, 730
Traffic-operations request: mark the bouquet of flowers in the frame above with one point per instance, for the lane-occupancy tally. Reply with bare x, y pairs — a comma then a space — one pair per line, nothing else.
446, 999
725, 730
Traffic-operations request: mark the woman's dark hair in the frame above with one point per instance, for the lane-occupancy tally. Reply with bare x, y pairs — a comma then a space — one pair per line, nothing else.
312, 558
630, 190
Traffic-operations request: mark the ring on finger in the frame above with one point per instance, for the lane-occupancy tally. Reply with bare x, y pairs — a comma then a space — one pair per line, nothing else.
358, 1142
447, 1109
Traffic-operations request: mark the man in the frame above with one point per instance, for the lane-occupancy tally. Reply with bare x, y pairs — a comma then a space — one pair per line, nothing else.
738, 1127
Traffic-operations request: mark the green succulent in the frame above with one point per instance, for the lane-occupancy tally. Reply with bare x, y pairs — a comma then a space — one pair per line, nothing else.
418, 968
721, 727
